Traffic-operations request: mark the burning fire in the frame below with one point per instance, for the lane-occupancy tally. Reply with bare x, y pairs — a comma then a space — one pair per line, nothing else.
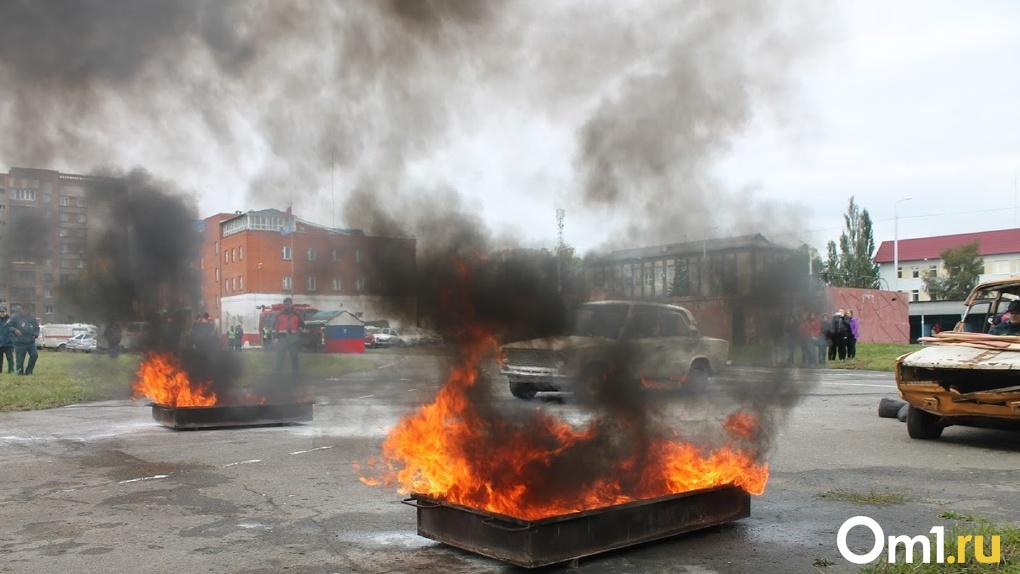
161, 378
448, 450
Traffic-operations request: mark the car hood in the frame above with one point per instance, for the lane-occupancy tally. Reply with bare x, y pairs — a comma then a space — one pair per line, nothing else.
988, 355
559, 343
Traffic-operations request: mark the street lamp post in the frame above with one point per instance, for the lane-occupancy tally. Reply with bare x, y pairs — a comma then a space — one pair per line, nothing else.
258, 327
896, 243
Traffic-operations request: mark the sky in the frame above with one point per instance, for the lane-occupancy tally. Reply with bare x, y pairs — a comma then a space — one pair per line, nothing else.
646, 122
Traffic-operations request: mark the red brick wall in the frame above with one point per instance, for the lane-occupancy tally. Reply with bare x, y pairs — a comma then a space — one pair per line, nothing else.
882, 315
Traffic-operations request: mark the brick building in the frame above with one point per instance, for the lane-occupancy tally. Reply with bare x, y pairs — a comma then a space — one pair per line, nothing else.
45, 217
255, 259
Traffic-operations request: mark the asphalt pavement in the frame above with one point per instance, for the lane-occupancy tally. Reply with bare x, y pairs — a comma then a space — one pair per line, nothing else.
101, 487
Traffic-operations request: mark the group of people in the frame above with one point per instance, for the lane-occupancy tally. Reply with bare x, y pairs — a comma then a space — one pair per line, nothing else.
235, 337
18, 334
819, 338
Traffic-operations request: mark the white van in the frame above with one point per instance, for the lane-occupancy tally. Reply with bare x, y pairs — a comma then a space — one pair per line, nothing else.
55, 335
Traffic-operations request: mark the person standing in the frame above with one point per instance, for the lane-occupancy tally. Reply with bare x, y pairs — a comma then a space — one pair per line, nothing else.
840, 332
288, 336
824, 338
238, 338
231, 338
6, 340
113, 336
26, 331
854, 330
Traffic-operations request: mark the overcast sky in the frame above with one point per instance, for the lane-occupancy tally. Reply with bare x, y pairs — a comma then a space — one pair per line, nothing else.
647, 122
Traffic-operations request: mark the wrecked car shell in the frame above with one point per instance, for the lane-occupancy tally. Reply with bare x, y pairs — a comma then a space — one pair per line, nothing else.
967, 376
654, 343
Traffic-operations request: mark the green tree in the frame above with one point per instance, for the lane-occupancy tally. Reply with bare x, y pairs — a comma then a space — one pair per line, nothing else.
963, 265
853, 265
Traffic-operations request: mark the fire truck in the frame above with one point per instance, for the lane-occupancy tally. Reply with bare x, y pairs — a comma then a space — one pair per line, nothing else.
310, 336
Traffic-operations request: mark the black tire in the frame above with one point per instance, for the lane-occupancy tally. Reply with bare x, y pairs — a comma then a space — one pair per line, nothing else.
902, 414
889, 408
697, 378
922, 424
523, 391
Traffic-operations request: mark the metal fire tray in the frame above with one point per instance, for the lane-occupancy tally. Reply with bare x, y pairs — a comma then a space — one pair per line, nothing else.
534, 543
220, 416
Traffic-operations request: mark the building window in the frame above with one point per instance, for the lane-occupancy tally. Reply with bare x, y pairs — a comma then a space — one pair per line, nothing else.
226, 257
49, 309
48, 293
240, 283
915, 272
1000, 267
359, 285
336, 255
933, 270
65, 217
311, 254
336, 283
81, 264
899, 273
286, 283
286, 253
311, 283
81, 202
915, 295
81, 218
217, 274
240, 253
65, 201
47, 198
48, 278
23, 194
216, 248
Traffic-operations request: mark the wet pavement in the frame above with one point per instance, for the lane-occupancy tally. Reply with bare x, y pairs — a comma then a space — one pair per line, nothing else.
103, 488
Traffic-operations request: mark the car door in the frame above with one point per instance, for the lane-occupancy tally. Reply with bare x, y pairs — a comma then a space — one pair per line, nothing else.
645, 349
676, 342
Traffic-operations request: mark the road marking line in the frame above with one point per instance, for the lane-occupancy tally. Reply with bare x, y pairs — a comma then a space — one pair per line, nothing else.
310, 450
893, 386
366, 397
252, 461
144, 478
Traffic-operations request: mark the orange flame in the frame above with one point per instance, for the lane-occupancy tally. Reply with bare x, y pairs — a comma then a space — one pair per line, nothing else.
743, 425
449, 451
161, 378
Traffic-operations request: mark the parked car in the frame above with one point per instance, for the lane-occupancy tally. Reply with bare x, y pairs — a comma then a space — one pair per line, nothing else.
84, 342
385, 337
967, 376
55, 336
370, 337
662, 345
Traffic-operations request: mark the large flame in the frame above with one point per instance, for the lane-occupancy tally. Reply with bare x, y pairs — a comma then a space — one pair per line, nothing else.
449, 451
161, 378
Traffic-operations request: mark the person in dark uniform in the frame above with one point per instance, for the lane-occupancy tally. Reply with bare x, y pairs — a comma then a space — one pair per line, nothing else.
287, 336
113, 336
6, 340
26, 331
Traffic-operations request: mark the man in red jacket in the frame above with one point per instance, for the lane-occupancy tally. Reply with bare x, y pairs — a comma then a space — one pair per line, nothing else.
287, 336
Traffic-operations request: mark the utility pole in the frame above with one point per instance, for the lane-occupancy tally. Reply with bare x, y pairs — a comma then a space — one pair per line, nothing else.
561, 214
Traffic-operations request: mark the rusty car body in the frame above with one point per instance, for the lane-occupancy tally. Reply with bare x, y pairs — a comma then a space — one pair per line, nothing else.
657, 344
967, 376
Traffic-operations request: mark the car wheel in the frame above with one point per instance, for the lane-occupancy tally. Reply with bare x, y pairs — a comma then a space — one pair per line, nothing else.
922, 424
888, 408
902, 414
523, 391
697, 378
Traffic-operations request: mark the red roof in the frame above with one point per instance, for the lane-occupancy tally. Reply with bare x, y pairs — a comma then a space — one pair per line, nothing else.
992, 243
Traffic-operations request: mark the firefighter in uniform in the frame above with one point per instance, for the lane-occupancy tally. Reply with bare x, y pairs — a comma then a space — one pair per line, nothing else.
287, 336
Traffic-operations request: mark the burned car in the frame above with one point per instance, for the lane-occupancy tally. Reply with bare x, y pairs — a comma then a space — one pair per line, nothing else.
970, 375
655, 344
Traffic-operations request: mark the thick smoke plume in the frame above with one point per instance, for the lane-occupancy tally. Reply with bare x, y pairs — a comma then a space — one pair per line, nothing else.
314, 104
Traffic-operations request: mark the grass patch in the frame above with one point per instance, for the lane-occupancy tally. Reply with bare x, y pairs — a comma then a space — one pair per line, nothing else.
958, 516
871, 497
1009, 555
870, 356
68, 378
